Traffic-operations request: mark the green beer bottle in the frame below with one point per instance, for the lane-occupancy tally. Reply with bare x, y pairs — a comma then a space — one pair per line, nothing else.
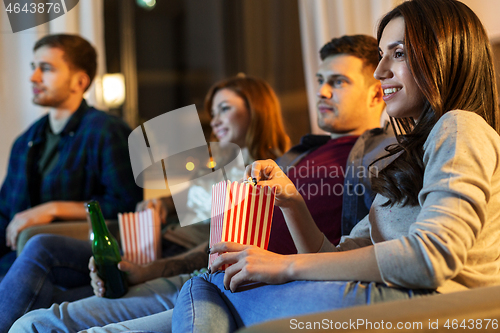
106, 253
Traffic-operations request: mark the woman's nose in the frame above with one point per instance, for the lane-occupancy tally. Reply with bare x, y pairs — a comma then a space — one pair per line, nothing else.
215, 121
383, 70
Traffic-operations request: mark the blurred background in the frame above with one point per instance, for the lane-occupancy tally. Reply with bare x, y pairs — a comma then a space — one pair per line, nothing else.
165, 54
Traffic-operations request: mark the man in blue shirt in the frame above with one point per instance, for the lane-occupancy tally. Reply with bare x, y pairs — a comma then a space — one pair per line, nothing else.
73, 154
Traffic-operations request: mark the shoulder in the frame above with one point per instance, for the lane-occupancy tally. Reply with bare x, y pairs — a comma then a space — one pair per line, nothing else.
460, 117
32, 131
462, 137
384, 131
98, 119
314, 140
377, 138
462, 126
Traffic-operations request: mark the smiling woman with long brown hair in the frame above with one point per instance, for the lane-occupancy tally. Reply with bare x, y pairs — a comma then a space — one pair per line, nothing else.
435, 222
261, 129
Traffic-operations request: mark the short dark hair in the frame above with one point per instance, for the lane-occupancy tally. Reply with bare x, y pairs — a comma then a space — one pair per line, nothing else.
77, 52
363, 47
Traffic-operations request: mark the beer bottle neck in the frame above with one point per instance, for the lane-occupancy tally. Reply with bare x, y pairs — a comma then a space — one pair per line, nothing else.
97, 220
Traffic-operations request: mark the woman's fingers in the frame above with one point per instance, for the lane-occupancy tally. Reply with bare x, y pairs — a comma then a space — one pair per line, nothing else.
91, 264
237, 256
97, 284
96, 288
95, 281
248, 171
261, 170
228, 254
252, 264
224, 259
254, 171
230, 274
227, 247
268, 173
240, 277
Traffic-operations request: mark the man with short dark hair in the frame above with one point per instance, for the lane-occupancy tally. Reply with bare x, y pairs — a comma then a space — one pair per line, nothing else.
77, 52
73, 154
349, 104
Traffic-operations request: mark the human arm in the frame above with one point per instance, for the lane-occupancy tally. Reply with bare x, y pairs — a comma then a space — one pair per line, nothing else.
184, 263
358, 238
459, 216
258, 265
459, 184
250, 263
13, 192
43, 214
304, 231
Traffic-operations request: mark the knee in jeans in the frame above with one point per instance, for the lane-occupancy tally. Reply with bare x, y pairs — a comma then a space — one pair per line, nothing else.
47, 242
38, 242
41, 248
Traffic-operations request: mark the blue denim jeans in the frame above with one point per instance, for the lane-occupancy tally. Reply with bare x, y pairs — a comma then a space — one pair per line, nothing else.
50, 263
146, 307
50, 269
205, 306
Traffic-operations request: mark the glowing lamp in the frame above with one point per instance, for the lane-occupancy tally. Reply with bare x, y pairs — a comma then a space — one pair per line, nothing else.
113, 90
148, 4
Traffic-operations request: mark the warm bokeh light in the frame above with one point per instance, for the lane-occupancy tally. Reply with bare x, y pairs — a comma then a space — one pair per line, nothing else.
113, 90
211, 164
190, 166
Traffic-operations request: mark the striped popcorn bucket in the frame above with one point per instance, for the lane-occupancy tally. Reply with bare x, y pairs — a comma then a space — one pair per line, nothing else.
140, 236
241, 213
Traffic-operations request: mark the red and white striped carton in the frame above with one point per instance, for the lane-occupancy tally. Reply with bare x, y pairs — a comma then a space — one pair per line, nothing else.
241, 213
140, 235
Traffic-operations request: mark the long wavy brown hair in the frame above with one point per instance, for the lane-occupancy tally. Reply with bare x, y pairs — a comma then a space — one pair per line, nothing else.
450, 57
266, 136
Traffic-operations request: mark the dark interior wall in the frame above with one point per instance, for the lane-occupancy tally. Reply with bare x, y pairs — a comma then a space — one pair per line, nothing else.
112, 35
263, 38
184, 46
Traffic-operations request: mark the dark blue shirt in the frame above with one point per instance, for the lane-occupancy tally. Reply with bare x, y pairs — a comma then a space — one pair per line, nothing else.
93, 163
